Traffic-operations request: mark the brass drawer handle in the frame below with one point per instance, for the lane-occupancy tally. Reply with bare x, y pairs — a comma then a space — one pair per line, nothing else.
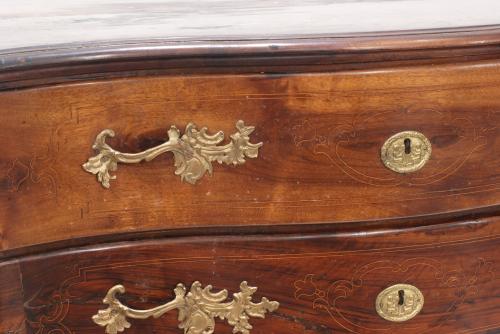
400, 302
193, 152
197, 308
406, 152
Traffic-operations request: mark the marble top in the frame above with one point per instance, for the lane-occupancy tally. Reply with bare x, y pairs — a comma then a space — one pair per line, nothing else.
33, 23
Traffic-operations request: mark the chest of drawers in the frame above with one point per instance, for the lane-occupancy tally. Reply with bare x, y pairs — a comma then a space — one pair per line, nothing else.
313, 182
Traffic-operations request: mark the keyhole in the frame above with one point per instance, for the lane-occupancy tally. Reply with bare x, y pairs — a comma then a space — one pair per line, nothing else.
401, 294
407, 143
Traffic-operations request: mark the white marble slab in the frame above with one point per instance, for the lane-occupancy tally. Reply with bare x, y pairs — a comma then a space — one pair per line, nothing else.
28, 23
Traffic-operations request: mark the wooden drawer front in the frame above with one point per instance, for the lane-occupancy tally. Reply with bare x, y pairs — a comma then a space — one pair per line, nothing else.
322, 283
320, 160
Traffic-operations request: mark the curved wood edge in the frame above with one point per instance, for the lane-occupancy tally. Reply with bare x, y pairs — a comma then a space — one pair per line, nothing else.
453, 264
394, 225
47, 65
486, 227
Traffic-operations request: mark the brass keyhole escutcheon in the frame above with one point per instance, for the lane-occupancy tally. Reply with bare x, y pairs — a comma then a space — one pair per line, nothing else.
400, 302
406, 152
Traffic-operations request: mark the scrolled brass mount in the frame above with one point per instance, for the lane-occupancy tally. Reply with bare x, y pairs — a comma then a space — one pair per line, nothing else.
193, 152
197, 308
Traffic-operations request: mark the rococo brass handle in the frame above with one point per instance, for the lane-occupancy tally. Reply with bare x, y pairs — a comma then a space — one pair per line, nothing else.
197, 308
193, 152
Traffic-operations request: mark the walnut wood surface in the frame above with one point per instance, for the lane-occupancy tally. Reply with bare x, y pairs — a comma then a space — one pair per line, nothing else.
324, 283
316, 221
12, 318
320, 161
78, 61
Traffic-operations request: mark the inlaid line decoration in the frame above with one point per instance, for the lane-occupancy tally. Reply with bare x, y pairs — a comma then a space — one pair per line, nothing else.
197, 308
193, 152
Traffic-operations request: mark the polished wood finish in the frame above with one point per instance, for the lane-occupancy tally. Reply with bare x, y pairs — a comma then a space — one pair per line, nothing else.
320, 162
12, 317
325, 283
316, 222
73, 62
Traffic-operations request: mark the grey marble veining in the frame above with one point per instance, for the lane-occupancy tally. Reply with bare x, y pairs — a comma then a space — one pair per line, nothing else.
28, 23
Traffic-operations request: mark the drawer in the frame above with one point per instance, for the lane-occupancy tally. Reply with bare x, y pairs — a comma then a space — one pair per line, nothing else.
320, 159
323, 283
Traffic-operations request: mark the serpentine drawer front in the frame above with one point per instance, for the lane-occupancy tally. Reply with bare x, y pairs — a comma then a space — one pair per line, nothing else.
306, 157
172, 167
327, 283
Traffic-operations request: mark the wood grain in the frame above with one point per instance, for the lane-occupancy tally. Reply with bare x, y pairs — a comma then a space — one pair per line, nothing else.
316, 222
320, 162
455, 266
12, 318
84, 61
131, 39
